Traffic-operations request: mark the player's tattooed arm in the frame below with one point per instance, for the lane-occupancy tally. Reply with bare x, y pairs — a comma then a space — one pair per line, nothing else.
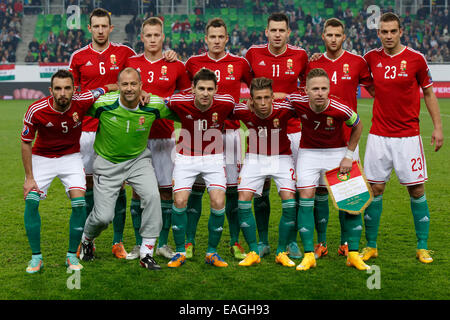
30, 184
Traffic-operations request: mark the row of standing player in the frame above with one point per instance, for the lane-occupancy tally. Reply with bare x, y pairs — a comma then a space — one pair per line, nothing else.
276, 60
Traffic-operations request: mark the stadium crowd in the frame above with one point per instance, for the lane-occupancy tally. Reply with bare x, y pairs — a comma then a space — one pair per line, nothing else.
427, 33
10, 26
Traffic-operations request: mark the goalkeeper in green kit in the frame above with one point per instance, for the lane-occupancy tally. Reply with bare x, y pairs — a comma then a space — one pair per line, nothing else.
122, 155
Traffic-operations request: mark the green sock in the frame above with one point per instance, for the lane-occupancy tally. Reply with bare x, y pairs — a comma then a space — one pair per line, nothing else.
287, 223
194, 211
32, 221
231, 210
136, 216
421, 214
306, 223
372, 217
248, 224
215, 228
344, 236
262, 215
119, 216
321, 216
76, 224
179, 221
353, 228
89, 198
294, 232
166, 208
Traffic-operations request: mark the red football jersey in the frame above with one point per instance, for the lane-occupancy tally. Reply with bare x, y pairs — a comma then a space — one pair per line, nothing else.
92, 69
58, 133
323, 130
230, 71
285, 70
201, 131
161, 78
397, 80
345, 73
267, 136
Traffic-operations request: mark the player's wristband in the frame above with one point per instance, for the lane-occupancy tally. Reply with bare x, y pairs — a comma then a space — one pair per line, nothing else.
349, 154
99, 91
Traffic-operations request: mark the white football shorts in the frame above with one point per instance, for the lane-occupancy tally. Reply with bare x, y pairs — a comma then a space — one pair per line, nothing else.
404, 155
257, 168
232, 155
313, 163
87, 140
69, 169
210, 167
295, 144
163, 154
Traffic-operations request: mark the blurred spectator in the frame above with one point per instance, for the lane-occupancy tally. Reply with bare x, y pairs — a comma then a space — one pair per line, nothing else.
199, 25
29, 58
34, 45
186, 26
176, 26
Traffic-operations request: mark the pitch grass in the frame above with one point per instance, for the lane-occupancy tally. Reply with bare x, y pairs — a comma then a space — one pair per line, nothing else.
402, 276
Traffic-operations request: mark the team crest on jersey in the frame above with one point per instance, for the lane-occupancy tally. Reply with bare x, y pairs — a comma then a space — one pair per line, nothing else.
230, 70
276, 123
76, 119
403, 73
343, 176
290, 67
330, 123
215, 118
164, 73
141, 120
113, 60
346, 71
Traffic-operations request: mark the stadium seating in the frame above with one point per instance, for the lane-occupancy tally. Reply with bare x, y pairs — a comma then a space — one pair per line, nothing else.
243, 16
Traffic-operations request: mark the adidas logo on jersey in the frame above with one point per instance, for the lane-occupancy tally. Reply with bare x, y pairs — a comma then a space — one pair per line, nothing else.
89, 63
48, 125
379, 65
262, 63
113, 118
304, 116
189, 117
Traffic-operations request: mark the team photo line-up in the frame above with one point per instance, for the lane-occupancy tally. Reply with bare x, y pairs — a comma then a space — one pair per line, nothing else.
109, 121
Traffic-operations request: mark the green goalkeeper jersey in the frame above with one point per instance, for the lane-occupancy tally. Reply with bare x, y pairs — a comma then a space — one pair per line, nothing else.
122, 133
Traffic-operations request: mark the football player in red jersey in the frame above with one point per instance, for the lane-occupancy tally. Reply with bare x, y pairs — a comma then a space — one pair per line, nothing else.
346, 71
394, 139
94, 65
285, 65
55, 153
200, 153
268, 155
231, 71
324, 146
159, 77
